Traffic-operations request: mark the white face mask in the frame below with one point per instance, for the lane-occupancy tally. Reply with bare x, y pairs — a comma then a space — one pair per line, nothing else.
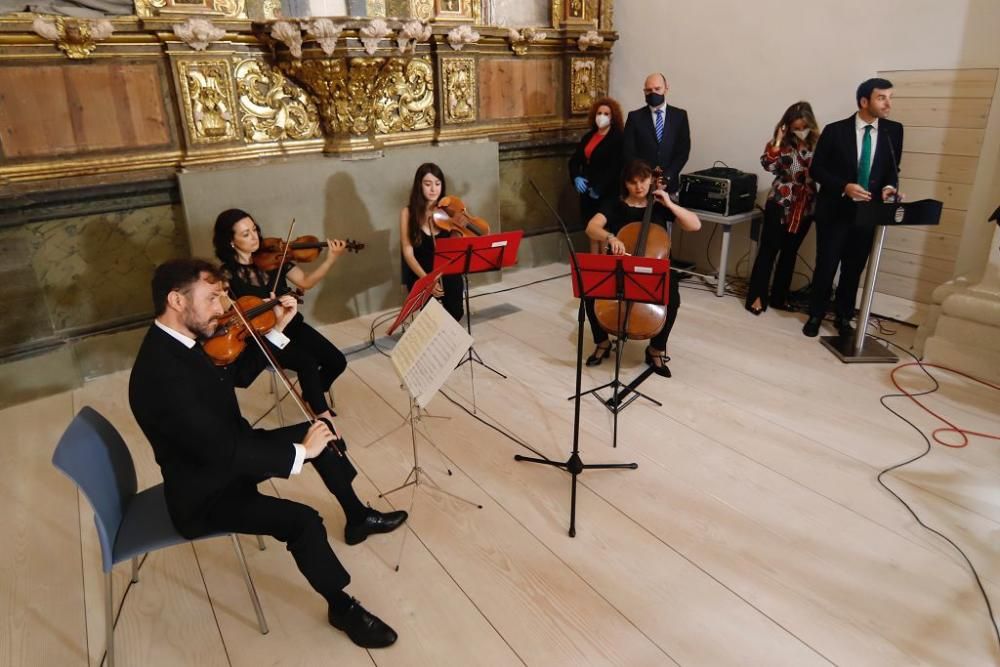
801, 134
602, 120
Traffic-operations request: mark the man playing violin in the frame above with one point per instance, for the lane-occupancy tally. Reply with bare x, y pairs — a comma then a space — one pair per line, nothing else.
212, 459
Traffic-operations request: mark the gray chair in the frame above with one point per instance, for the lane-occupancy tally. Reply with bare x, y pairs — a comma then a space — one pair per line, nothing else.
93, 454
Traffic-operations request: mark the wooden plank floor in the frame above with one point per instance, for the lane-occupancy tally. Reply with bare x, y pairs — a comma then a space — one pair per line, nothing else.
752, 533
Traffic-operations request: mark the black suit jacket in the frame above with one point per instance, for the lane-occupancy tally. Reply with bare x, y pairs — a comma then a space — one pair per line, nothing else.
188, 410
835, 164
671, 154
604, 169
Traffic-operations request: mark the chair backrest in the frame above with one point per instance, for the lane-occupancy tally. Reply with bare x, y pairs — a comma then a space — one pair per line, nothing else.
92, 453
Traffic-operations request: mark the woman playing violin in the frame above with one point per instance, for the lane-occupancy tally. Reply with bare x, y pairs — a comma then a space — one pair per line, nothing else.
417, 233
617, 213
317, 361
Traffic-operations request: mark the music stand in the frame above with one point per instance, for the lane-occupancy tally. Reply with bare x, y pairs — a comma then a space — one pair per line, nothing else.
476, 254
421, 293
860, 347
574, 465
627, 280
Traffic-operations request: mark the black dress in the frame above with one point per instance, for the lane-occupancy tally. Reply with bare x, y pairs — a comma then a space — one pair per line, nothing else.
619, 214
315, 359
423, 252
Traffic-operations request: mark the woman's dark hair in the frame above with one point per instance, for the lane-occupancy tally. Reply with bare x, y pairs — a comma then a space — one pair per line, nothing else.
178, 275
798, 111
636, 170
418, 205
617, 122
222, 234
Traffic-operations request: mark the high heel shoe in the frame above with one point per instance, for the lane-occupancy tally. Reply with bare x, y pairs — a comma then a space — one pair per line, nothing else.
599, 355
656, 356
756, 311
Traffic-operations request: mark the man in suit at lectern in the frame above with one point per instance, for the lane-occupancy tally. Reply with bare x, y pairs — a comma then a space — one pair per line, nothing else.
856, 160
658, 134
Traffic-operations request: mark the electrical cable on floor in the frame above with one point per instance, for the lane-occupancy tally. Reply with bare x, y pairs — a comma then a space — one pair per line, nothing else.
927, 442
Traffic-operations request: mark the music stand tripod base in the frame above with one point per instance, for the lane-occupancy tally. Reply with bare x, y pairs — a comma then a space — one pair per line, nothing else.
872, 351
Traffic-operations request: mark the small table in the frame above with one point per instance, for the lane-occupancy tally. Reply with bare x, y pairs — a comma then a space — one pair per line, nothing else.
727, 222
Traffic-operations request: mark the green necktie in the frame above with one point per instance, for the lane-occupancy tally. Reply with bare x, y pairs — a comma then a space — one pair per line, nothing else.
865, 161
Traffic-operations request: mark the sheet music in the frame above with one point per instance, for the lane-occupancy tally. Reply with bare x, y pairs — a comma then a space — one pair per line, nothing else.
429, 350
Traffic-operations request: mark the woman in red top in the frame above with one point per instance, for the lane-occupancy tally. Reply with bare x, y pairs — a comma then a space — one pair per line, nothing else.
790, 205
595, 170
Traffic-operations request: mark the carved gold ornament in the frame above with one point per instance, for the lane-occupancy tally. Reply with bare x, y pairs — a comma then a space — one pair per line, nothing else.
459, 89
519, 40
576, 9
272, 107
207, 92
148, 8
271, 9
405, 96
233, 9
198, 33
77, 38
584, 84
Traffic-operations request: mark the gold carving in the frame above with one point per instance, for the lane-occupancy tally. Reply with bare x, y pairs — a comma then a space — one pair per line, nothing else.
423, 9
584, 84
459, 87
576, 9
207, 91
234, 9
607, 14
375, 8
405, 99
272, 107
519, 40
77, 38
271, 9
557, 13
148, 8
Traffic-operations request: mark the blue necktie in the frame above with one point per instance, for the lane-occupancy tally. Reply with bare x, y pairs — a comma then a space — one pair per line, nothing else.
659, 125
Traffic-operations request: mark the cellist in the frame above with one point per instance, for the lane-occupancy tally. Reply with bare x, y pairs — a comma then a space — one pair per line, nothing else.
637, 179
212, 460
417, 233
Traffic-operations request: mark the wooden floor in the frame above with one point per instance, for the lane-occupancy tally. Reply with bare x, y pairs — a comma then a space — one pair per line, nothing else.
752, 533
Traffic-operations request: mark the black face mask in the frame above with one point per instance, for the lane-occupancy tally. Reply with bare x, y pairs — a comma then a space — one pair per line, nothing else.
654, 99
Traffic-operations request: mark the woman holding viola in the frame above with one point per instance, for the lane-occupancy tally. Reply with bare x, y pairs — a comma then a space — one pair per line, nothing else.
315, 359
417, 234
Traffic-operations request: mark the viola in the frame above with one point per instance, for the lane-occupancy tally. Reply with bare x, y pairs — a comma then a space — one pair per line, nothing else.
638, 321
229, 339
452, 216
274, 252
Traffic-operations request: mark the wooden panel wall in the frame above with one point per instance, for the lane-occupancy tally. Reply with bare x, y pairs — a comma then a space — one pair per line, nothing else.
944, 113
52, 110
518, 88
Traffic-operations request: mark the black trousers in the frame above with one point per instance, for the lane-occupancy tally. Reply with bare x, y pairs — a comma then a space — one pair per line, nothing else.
847, 245
775, 242
659, 341
315, 359
244, 509
454, 294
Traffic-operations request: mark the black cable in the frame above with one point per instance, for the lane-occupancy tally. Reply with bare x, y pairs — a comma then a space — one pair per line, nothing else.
509, 289
495, 428
925, 452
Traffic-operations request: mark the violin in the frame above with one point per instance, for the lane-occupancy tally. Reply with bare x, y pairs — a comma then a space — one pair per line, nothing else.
452, 216
229, 339
638, 321
274, 252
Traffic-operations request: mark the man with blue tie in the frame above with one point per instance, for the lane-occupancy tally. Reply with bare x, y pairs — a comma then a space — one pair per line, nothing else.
854, 158
658, 134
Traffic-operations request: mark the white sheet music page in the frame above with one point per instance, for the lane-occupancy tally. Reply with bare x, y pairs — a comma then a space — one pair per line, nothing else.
429, 350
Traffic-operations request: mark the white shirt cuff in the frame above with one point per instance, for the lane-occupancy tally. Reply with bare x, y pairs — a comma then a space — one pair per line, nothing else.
278, 339
300, 458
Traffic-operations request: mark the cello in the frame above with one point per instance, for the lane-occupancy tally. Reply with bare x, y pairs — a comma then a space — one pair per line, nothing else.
638, 321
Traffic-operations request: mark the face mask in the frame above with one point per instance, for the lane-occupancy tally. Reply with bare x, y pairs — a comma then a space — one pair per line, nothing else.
654, 99
801, 134
602, 120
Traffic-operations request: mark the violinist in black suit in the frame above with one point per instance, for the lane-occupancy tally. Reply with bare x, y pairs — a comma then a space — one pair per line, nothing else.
212, 460
856, 160
658, 134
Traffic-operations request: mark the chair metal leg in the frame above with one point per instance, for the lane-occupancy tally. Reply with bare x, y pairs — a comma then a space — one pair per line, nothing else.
261, 621
135, 570
109, 613
260, 543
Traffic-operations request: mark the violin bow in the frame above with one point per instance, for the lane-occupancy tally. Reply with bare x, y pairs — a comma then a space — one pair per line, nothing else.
280, 372
284, 253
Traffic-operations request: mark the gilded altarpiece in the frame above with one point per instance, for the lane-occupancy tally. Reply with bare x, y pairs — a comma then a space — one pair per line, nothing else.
208, 100
272, 108
458, 84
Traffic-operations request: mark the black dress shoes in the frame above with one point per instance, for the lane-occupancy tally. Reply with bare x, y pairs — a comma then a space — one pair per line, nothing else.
364, 628
811, 327
373, 523
658, 362
599, 355
843, 325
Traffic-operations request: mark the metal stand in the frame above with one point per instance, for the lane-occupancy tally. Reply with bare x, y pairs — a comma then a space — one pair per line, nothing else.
861, 348
473, 357
418, 477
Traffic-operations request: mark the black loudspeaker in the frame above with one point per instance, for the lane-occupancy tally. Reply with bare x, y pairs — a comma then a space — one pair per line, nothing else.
721, 190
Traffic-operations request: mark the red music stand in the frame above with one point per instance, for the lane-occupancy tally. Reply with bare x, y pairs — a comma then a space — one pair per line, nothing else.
627, 280
421, 293
476, 254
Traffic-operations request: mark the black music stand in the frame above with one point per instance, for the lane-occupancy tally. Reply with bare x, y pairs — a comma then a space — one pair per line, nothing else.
574, 465
476, 254
627, 280
860, 347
